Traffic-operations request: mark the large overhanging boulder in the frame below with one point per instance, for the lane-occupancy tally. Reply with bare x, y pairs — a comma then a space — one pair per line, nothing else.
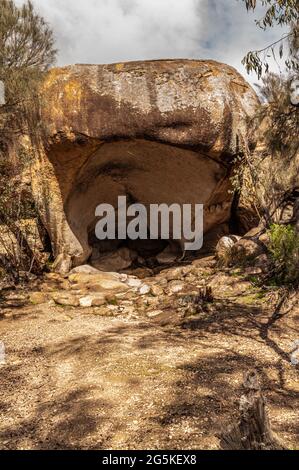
156, 131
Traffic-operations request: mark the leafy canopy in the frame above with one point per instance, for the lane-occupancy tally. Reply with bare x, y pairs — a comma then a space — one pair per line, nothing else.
26, 48
282, 13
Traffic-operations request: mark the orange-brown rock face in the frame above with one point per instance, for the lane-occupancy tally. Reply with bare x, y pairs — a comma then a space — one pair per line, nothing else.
157, 131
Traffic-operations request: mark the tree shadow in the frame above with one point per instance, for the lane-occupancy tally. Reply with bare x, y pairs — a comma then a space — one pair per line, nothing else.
197, 401
62, 423
247, 321
208, 397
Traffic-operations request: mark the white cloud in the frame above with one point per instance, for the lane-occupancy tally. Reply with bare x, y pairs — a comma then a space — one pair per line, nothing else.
106, 31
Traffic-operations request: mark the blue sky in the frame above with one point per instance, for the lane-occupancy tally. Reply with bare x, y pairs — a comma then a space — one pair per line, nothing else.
107, 31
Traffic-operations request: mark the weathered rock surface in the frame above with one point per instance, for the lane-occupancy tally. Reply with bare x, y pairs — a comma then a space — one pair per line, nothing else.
84, 269
118, 260
251, 246
224, 248
156, 131
167, 256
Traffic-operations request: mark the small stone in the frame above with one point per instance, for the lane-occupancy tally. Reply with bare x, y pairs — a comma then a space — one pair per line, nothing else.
167, 256
191, 278
154, 313
92, 301
53, 276
113, 286
83, 278
134, 282
118, 260
65, 285
98, 301
175, 286
162, 281
174, 274
223, 248
145, 289
67, 300
103, 312
157, 290
101, 282
84, 269
247, 249
48, 287
143, 273
86, 301
38, 298
129, 311
113, 308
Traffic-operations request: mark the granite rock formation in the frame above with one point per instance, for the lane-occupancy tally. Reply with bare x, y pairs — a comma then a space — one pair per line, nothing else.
155, 131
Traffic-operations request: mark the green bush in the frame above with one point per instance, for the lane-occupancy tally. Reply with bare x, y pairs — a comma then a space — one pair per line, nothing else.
284, 251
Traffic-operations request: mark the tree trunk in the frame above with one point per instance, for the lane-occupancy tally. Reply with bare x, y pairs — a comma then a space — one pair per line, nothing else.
253, 431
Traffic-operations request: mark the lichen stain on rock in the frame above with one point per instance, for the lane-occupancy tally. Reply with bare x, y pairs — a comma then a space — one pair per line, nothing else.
186, 119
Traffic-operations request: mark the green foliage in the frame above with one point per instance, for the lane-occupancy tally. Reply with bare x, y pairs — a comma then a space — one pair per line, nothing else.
283, 241
26, 48
14, 202
282, 13
268, 177
284, 250
26, 52
16, 206
281, 135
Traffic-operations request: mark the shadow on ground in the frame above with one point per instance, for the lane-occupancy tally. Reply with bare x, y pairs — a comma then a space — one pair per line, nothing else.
143, 385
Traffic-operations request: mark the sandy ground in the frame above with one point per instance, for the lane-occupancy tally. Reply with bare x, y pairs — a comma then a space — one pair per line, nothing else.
76, 380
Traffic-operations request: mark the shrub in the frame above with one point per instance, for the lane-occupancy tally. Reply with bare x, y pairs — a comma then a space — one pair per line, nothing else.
284, 251
26, 53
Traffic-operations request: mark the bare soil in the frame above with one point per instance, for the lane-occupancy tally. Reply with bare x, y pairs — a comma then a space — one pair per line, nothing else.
79, 379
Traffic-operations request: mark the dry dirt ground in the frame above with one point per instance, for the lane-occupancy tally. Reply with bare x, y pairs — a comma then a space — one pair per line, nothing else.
78, 378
